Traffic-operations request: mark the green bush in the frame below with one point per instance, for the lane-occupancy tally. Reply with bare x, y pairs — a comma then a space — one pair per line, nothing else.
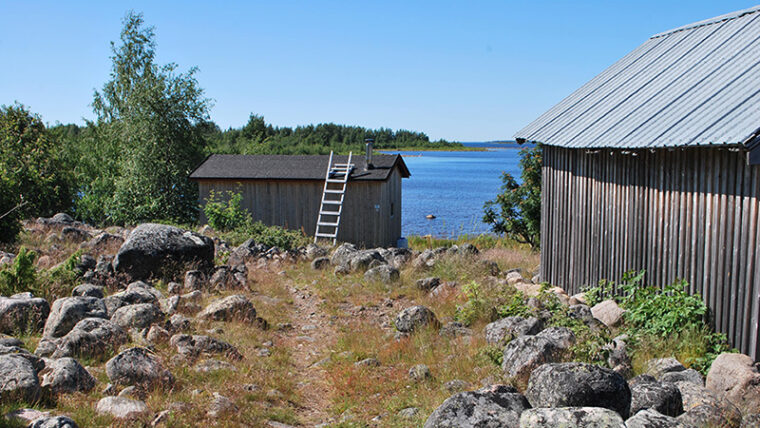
21, 275
226, 214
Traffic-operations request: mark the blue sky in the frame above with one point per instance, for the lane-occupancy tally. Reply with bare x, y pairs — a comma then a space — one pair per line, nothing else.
467, 71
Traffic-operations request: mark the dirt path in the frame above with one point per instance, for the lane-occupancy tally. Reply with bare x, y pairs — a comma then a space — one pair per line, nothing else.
310, 341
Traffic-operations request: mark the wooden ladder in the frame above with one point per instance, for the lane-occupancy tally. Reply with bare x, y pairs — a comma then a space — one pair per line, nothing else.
336, 178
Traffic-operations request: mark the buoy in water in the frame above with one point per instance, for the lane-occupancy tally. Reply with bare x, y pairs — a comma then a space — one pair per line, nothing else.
430, 216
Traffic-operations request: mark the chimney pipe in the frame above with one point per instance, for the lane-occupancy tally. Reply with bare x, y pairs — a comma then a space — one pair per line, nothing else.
368, 154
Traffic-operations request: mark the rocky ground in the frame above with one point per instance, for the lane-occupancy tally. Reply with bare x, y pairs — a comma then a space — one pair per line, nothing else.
166, 327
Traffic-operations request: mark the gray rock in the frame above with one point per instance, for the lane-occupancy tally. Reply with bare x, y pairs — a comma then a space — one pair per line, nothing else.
220, 405
425, 260
88, 290
706, 416
36, 361
194, 346
734, 377
586, 417
368, 362
383, 273
68, 311
608, 312
508, 328
419, 373
688, 375
104, 241
136, 366
320, 263
211, 365
136, 292
141, 315
26, 416
66, 375
652, 419
664, 398
194, 280
456, 385
18, 380
232, 307
178, 322
578, 385
22, 314
158, 250
343, 254
583, 312
498, 406
60, 219
314, 252
10, 341
454, 329
75, 234
659, 366
693, 396
409, 412
157, 335
415, 317
429, 283
366, 259
524, 354
123, 408
90, 337
54, 422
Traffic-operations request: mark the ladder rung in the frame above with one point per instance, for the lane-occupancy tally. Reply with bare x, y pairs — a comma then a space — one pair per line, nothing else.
330, 212
332, 202
325, 235
333, 191
322, 223
334, 180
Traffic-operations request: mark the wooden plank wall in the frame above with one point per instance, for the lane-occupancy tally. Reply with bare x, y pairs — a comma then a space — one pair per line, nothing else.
679, 214
366, 219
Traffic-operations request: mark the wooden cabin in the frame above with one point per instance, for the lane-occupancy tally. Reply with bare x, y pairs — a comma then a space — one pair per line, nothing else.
287, 190
653, 164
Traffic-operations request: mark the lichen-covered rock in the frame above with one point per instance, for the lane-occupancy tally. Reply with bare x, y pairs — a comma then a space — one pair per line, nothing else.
343, 254
22, 313
693, 396
220, 405
68, 311
18, 380
659, 366
586, 417
508, 328
136, 292
415, 317
429, 283
123, 408
383, 273
688, 375
492, 407
53, 422
194, 280
196, 345
320, 263
524, 354
236, 307
141, 315
419, 373
707, 416
136, 366
90, 337
578, 385
66, 375
649, 418
454, 329
160, 250
88, 290
664, 398
734, 377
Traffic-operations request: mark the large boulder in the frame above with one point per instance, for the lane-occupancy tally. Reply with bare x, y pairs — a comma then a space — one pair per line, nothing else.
664, 398
236, 307
158, 250
141, 315
37, 362
508, 328
68, 311
18, 380
734, 377
525, 353
136, 292
652, 419
415, 317
495, 406
22, 313
586, 417
695, 396
136, 366
578, 385
707, 416
66, 375
90, 337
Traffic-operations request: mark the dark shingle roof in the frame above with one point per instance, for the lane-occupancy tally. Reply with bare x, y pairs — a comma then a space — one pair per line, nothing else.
293, 167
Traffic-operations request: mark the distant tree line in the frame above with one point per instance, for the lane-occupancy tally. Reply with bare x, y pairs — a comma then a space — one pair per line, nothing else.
152, 128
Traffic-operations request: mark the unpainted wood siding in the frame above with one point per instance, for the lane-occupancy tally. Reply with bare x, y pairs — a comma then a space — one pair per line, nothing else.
678, 214
294, 204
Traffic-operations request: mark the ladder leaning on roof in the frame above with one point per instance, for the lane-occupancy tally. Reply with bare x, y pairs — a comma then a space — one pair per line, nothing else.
337, 177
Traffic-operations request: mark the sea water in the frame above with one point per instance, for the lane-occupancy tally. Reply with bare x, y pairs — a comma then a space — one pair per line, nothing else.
453, 186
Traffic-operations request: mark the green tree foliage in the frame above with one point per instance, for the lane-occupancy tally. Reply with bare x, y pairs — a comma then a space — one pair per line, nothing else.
258, 137
516, 211
147, 137
21, 275
31, 169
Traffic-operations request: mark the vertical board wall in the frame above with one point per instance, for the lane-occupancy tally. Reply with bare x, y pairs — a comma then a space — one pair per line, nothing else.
677, 213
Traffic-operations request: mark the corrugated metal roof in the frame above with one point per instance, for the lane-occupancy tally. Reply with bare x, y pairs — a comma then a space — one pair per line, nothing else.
293, 167
694, 85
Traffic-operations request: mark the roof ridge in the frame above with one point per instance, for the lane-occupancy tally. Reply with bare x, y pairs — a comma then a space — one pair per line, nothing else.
714, 20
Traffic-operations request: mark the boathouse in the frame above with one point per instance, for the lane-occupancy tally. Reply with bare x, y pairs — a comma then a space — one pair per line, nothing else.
287, 191
655, 164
